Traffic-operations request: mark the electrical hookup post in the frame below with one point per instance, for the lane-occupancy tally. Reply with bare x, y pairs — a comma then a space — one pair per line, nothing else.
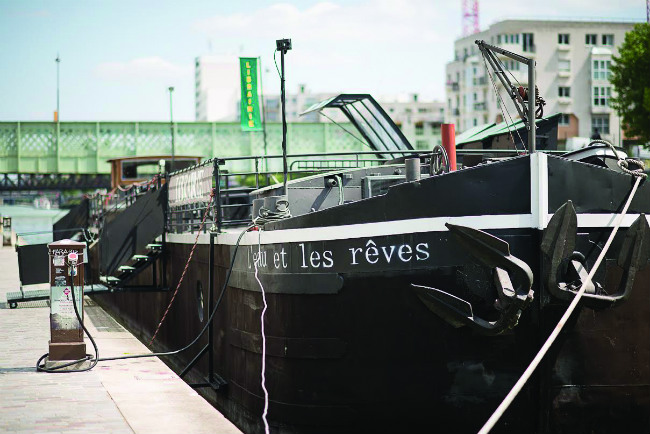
66, 260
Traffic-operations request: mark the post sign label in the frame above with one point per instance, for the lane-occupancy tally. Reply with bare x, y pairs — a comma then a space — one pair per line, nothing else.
62, 312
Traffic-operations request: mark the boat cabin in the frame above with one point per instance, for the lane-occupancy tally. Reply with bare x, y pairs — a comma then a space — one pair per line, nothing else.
132, 170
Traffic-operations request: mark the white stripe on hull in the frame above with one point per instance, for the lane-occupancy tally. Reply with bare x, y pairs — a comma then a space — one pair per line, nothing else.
397, 227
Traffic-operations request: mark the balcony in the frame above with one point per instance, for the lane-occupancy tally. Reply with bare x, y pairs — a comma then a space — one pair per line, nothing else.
479, 81
600, 109
480, 106
454, 85
564, 47
564, 100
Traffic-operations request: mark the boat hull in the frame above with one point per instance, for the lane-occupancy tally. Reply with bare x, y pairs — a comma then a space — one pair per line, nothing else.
357, 349
351, 346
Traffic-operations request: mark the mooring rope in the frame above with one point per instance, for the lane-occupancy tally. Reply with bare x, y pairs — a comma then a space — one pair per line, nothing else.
263, 375
556, 331
189, 259
623, 163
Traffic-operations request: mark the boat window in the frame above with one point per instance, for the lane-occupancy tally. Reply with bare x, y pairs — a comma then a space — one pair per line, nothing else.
375, 122
377, 128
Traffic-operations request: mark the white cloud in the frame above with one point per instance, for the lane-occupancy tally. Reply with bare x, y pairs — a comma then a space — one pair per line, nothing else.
144, 68
371, 21
377, 46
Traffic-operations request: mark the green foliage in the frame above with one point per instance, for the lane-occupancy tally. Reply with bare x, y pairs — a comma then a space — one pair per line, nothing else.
631, 79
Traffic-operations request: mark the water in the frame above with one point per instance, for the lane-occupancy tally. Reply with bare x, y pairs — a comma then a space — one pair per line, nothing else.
25, 219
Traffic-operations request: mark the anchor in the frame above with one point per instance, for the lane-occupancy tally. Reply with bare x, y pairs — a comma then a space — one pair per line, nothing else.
565, 269
513, 279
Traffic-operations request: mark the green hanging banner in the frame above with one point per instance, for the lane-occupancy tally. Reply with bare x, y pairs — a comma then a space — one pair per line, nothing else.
250, 107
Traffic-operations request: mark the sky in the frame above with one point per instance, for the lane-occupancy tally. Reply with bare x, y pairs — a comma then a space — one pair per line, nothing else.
118, 58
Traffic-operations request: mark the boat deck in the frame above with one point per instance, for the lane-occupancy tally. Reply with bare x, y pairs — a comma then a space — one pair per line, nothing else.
128, 396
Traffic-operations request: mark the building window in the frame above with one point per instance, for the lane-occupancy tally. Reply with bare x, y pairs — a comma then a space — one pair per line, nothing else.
602, 94
564, 91
564, 65
601, 70
510, 39
511, 65
591, 38
600, 123
565, 120
475, 122
528, 42
422, 144
423, 110
419, 128
498, 39
608, 40
563, 38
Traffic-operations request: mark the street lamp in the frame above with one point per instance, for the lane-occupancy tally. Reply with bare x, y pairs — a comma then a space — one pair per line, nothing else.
171, 125
58, 61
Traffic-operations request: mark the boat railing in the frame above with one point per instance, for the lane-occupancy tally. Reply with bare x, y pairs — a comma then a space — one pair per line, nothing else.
104, 205
226, 200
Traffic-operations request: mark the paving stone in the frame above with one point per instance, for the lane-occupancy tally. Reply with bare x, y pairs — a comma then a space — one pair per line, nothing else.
121, 397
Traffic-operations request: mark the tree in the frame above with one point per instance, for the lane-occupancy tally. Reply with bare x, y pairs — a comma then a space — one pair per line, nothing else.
631, 79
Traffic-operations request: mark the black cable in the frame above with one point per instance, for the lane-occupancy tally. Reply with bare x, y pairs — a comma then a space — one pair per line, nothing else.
276, 64
167, 353
210, 318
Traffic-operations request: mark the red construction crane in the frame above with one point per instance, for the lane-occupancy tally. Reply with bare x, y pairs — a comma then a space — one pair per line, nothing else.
470, 17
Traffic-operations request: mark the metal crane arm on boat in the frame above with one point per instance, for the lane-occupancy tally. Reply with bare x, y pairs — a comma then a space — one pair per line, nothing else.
564, 268
513, 279
487, 51
526, 112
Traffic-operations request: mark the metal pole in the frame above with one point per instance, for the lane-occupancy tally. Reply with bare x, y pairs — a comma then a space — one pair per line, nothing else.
531, 106
58, 61
284, 124
259, 61
211, 304
171, 125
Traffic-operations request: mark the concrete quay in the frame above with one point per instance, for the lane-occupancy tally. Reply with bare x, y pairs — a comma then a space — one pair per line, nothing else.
127, 396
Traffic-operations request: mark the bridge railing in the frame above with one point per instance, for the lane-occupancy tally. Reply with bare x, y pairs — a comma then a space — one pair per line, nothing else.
85, 147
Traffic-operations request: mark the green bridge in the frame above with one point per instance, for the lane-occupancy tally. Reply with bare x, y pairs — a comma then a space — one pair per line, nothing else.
77, 148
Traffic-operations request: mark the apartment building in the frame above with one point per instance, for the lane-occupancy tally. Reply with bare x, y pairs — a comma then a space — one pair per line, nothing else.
573, 61
217, 89
419, 120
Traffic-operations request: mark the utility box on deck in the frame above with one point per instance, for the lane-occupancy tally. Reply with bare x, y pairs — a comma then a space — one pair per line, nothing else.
66, 259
